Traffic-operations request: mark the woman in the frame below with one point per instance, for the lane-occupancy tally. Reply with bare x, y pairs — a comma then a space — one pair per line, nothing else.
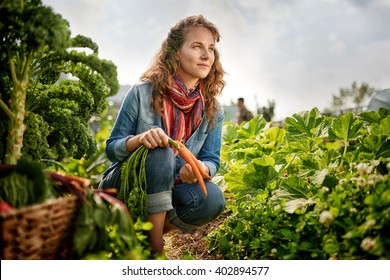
176, 98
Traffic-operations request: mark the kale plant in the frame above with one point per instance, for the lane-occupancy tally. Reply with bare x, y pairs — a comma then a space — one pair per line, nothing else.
51, 84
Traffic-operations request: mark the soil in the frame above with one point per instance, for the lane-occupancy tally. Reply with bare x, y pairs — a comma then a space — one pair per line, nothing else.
179, 246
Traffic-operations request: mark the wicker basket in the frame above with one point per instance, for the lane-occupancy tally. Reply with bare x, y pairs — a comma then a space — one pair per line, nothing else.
42, 231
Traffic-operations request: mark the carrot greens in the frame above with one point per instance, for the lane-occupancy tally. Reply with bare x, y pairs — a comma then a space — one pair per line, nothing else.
133, 187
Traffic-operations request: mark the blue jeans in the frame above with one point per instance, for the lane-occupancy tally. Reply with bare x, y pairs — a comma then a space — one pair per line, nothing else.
185, 203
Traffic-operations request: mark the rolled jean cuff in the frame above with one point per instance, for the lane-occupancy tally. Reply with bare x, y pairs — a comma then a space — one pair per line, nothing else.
160, 202
175, 220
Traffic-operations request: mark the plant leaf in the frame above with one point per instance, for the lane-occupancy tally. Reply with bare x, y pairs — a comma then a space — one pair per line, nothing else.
345, 128
305, 124
252, 128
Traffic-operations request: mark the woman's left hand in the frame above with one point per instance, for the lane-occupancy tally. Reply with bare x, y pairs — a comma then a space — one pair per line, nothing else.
187, 174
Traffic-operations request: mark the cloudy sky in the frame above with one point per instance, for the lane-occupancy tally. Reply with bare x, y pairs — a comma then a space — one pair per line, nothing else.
297, 53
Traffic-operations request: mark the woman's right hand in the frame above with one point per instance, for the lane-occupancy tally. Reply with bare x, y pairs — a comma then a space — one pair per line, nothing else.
153, 138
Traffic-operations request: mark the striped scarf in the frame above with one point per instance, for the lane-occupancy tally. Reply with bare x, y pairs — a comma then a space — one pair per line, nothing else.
182, 112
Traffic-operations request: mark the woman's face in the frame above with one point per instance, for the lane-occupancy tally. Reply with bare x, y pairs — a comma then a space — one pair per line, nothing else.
196, 56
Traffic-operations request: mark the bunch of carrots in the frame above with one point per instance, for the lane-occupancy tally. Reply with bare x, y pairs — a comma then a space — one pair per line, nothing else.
193, 162
133, 188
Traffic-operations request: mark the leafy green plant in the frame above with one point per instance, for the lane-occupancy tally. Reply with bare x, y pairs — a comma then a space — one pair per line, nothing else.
105, 230
25, 184
316, 189
94, 166
51, 86
43, 115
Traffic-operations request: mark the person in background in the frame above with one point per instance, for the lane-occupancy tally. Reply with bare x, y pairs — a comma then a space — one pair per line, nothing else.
243, 113
176, 98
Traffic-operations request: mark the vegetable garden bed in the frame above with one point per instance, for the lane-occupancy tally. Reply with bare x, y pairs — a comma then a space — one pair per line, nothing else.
318, 188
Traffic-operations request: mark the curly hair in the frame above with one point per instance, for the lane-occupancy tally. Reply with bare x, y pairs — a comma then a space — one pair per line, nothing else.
166, 63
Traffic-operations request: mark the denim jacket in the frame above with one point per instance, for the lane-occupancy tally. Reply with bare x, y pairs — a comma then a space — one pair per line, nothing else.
136, 116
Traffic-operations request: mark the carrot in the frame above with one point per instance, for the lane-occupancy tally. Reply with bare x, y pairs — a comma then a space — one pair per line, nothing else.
186, 155
200, 167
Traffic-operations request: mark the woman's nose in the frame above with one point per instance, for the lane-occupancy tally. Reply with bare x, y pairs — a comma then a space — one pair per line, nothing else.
205, 53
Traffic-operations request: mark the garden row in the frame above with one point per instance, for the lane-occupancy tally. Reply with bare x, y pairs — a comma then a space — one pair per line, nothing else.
318, 188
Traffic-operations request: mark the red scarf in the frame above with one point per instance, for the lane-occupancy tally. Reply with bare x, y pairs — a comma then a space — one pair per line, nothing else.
182, 112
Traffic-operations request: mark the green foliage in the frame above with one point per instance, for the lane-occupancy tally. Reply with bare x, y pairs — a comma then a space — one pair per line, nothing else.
94, 166
133, 187
51, 86
36, 54
306, 124
318, 189
346, 128
25, 185
105, 230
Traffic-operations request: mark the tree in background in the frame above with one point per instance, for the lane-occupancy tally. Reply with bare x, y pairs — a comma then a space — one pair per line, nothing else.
43, 116
353, 97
